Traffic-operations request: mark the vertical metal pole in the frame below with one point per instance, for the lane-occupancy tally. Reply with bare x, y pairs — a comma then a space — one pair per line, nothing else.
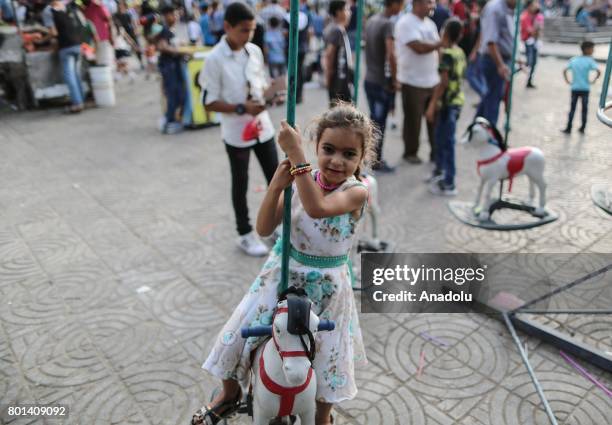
12, 5
517, 30
357, 51
606, 79
292, 86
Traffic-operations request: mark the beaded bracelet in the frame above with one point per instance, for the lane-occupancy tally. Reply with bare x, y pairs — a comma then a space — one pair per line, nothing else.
299, 166
302, 170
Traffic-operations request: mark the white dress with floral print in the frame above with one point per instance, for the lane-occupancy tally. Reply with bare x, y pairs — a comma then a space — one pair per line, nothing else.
330, 290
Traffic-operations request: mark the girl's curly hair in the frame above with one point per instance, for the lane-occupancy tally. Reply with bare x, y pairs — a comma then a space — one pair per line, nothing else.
345, 115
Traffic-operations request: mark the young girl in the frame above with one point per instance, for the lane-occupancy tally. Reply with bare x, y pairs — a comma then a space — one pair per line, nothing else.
325, 210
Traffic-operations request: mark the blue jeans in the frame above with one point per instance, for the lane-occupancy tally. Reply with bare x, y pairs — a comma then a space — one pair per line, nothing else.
474, 76
380, 101
532, 59
446, 125
174, 87
584, 97
70, 57
489, 104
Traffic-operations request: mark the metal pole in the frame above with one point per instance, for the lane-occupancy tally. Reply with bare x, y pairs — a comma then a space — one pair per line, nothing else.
517, 14
358, 51
291, 93
12, 4
536, 383
603, 103
606, 79
566, 287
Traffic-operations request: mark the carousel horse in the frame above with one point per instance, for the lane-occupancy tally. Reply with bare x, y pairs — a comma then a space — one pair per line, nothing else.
497, 162
283, 381
372, 243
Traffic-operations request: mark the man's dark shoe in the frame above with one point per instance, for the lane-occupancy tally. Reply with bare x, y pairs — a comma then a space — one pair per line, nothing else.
581, 130
566, 131
413, 159
383, 167
530, 86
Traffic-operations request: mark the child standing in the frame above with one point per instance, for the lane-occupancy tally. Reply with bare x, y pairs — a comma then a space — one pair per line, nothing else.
580, 67
170, 68
449, 97
325, 210
233, 83
274, 41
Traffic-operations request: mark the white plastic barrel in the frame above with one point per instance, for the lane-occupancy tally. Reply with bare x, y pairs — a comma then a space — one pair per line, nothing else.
102, 84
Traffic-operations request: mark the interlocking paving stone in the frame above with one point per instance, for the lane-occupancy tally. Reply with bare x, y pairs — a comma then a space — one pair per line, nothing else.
118, 266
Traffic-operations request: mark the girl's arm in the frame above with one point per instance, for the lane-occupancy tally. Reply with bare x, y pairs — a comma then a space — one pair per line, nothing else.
270, 212
316, 204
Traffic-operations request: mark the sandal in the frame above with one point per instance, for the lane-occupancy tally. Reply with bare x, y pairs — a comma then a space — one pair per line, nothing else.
208, 415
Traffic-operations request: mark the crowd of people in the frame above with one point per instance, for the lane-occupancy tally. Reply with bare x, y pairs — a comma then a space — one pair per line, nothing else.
422, 50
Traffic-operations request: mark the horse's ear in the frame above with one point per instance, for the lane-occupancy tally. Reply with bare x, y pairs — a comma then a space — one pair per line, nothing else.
467, 135
500, 139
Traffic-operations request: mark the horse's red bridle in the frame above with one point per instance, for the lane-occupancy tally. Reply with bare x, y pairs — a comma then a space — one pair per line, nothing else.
286, 394
284, 354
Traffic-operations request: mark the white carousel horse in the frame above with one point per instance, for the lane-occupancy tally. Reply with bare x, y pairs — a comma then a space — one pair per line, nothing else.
497, 162
284, 382
372, 243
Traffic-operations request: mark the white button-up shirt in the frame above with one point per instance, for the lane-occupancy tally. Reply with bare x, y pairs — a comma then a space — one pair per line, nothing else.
224, 77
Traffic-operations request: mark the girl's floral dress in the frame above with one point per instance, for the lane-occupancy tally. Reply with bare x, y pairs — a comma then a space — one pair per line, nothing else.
329, 289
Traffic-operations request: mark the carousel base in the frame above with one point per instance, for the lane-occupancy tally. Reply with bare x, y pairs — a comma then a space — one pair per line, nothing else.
506, 214
602, 197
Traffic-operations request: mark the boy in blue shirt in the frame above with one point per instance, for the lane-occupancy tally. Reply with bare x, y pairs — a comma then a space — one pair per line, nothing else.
208, 37
581, 67
274, 41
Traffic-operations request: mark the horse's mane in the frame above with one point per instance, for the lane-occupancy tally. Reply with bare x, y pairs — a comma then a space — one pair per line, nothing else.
300, 292
499, 139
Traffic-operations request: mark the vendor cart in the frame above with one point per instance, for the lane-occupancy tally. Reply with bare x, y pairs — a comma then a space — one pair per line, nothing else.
29, 77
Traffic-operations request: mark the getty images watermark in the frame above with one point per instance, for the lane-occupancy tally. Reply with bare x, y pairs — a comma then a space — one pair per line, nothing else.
421, 282
448, 283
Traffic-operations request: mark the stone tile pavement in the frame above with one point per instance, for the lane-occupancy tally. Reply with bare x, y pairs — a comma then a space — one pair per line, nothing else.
118, 265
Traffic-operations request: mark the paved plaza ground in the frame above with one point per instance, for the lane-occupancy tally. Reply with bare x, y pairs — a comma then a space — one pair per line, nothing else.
118, 266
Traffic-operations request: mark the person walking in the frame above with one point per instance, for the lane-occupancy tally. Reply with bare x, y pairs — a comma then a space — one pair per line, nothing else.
337, 56
531, 24
416, 45
64, 22
381, 72
496, 43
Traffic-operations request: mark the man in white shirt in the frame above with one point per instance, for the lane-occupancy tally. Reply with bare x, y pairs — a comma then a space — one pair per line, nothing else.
233, 81
416, 45
272, 10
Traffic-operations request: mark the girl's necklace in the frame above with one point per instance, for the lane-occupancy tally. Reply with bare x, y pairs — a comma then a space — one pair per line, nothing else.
324, 186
